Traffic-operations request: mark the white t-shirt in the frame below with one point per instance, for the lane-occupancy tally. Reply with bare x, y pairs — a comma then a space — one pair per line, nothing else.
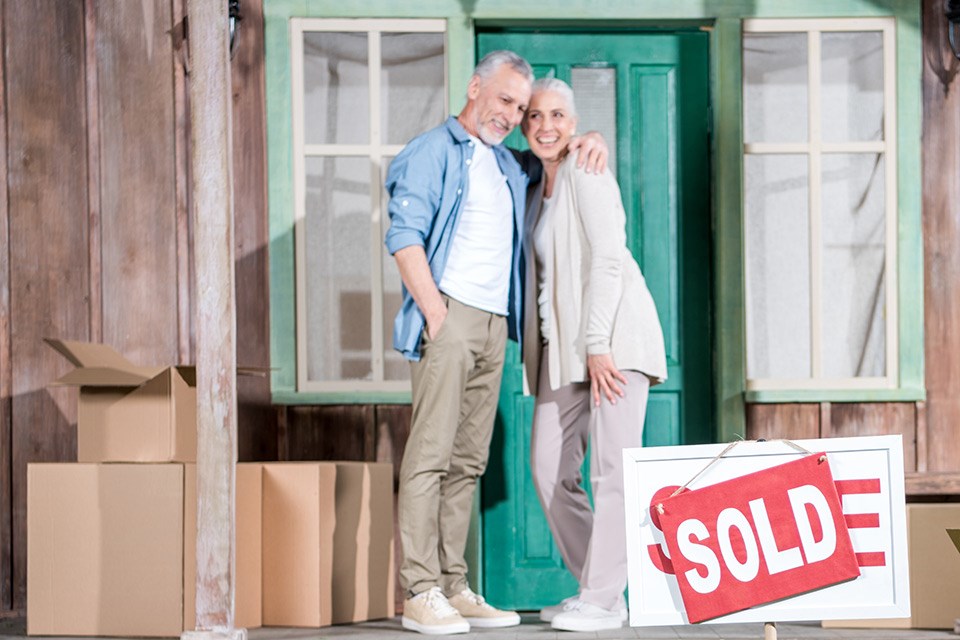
477, 272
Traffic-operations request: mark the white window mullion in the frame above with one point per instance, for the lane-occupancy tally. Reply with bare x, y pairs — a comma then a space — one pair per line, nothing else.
815, 204
376, 255
890, 199
351, 149
299, 199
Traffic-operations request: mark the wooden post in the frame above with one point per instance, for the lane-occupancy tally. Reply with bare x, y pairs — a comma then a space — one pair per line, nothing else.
770, 631
212, 165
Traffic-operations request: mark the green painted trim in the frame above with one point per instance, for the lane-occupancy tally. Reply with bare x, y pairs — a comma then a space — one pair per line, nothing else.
500, 12
340, 397
914, 394
729, 338
910, 197
283, 352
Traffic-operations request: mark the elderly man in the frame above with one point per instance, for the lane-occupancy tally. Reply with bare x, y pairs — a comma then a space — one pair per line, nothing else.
457, 199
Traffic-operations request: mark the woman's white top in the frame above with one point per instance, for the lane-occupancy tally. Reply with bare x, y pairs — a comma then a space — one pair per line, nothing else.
541, 247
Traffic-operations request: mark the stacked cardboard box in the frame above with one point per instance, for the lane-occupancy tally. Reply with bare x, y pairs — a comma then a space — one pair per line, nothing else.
112, 539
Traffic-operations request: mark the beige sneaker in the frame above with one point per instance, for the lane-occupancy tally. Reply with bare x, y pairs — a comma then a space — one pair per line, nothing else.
430, 612
479, 614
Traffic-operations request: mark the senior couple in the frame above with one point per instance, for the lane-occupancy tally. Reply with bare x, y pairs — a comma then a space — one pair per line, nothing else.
480, 245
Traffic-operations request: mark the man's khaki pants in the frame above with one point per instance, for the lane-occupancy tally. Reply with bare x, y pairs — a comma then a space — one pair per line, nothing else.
456, 385
592, 542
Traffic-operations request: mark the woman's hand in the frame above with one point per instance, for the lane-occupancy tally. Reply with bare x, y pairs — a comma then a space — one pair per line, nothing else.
604, 376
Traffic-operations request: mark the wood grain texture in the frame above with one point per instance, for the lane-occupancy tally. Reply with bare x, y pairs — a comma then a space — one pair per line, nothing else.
186, 291
879, 419
94, 239
214, 258
6, 363
328, 432
787, 421
941, 238
48, 234
257, 426
933, 484
138, 179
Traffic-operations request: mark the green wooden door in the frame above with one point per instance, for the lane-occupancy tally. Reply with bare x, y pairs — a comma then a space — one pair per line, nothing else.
648, 93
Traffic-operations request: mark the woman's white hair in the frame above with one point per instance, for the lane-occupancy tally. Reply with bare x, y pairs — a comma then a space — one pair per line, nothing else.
558, 86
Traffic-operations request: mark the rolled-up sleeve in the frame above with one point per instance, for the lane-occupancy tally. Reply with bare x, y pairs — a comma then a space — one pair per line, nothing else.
414, 183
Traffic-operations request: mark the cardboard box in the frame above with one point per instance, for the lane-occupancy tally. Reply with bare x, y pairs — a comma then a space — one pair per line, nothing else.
111, 549
327, 543
129, 413
363, 575
934, 572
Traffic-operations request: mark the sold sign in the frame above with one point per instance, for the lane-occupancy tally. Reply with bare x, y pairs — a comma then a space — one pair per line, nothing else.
757, 538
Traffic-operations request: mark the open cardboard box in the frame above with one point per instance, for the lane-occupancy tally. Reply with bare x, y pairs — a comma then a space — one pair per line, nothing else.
129, 413
111, 549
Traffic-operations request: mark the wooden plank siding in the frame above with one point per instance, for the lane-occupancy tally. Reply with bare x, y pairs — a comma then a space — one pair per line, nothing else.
138, 179
6, 361
941, 236
257, 423
48, 227
95, 231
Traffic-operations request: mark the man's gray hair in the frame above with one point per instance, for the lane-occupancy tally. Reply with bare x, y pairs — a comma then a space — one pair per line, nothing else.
557, 86
495, 59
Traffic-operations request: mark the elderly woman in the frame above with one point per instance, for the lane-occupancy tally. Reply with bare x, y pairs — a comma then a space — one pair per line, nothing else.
592, 347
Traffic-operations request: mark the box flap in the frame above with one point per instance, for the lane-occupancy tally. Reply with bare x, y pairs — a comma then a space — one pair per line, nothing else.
99, 365
104, 377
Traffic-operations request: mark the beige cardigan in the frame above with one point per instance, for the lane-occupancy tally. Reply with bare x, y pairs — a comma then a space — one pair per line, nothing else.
599, 302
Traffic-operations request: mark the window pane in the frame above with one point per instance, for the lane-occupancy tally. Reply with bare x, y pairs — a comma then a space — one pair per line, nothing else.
852, 86
336, 104
596, 96
412, 84
854, 232
777, 234
395, 366
338, 268
775, 87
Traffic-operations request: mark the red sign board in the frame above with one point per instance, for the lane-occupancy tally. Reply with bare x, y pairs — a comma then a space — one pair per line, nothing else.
758, 538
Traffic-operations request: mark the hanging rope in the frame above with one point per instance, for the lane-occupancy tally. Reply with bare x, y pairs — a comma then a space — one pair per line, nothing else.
821, 460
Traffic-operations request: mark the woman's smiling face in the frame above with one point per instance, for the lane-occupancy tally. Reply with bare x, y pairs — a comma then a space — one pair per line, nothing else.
548, 125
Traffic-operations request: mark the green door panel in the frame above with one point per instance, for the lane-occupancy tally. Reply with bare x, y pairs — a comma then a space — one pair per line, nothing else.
658, 94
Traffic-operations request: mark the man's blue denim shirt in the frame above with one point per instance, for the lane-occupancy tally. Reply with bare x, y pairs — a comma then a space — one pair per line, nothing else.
428, 184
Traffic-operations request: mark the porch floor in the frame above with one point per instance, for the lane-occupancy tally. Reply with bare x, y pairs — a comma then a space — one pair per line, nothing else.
532, 629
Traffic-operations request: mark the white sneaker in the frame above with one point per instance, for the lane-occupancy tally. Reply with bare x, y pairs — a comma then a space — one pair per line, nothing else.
583, 616
478, 613
547, 614
430, 612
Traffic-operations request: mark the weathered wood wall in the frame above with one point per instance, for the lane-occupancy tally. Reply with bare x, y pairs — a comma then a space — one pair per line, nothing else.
96, 243
94, 221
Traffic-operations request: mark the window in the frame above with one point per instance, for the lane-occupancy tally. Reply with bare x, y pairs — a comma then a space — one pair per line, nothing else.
820, 204
361, 90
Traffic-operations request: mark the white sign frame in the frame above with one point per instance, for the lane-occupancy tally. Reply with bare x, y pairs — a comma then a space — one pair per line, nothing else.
879, 592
